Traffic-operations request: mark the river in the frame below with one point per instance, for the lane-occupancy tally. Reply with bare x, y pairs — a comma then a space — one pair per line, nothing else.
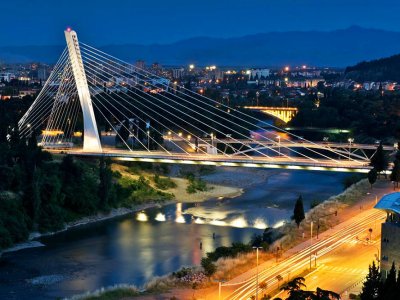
136, 247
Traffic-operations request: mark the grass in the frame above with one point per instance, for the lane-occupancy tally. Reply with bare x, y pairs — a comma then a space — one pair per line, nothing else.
110, 293
293, 235
163, 183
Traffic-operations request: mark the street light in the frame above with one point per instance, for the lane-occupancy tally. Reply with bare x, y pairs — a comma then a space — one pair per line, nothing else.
312, 223
378, 259
319, 217
350, 140
220, 282
257, 271
148, 140
279, 144
258, 95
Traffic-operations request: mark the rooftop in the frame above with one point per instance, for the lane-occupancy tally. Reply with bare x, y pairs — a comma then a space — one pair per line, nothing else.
390, 202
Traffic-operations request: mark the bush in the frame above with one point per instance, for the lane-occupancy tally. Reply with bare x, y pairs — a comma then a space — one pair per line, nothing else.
231, 251
314, 203
352, 179
195, 184
163, 183
14, 225
209, 267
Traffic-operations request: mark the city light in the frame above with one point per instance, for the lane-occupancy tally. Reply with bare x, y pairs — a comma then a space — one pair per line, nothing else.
260, 224
287, 69
239, 223
180, 219
142, 217
191, 67
160, 217
199, 221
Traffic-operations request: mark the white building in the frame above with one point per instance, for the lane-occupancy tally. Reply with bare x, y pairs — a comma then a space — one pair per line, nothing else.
6, 76
258, 73
178, 73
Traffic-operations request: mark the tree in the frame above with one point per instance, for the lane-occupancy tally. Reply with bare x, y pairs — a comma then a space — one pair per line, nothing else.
372, 284
398, 282
372, 176
395, 175
379, 160
209, 267
295, 284
388, 291
298, 212
321, 294
105, 184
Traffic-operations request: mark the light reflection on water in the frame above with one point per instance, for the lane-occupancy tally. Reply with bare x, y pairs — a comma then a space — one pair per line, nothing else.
238, 222
157, 241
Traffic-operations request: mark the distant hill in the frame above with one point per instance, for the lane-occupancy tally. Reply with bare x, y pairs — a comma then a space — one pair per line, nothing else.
376, 70
338, 48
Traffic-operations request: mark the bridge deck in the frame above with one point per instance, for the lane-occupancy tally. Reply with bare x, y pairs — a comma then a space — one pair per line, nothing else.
294, 163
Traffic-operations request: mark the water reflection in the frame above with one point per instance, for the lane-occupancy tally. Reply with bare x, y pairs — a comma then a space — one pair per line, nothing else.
142, 217
179, 218
153, 242
160, 217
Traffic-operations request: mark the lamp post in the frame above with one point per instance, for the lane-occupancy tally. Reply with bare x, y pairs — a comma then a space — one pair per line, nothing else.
350, 140
334, 213
279, 144
148, 140
377, 257
312, 223
258, 95
220, 282
257, 272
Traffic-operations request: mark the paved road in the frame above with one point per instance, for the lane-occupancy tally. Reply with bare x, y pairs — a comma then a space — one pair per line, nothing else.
329, 241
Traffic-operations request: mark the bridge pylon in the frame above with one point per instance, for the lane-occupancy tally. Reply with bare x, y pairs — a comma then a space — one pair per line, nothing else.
91, 140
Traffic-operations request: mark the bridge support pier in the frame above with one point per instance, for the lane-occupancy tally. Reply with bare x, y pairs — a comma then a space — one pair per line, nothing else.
91, 140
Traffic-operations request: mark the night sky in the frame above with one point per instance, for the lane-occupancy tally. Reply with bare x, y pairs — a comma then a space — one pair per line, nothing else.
102, 22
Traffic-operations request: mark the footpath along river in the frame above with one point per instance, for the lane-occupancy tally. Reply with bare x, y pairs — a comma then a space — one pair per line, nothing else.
138, 246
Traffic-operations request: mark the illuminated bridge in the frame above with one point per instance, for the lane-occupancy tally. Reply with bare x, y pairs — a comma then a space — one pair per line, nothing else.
282, 113
94, 104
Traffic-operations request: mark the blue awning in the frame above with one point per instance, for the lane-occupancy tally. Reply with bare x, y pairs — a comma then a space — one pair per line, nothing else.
390, 202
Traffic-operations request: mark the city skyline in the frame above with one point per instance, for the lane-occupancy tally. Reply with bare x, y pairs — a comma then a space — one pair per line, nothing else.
147, 23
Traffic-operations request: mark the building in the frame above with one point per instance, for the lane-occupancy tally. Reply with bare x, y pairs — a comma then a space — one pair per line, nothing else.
140, 64
6, 76
390, 235
178, 73
42, 73
255, 74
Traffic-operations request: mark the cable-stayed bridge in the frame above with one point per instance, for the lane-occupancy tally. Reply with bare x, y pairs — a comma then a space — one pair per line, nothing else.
94, 104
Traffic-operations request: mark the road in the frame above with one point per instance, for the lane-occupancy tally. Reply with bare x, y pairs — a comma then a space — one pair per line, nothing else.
329, 241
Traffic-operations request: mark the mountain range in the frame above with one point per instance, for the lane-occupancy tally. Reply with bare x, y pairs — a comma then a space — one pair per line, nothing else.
338, 48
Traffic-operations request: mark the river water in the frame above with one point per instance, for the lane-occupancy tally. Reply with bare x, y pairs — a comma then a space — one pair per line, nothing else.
136, 247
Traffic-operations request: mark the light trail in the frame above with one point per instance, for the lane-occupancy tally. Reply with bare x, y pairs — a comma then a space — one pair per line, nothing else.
347, 231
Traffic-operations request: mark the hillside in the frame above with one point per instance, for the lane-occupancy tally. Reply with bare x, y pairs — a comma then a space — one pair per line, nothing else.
376, 70
338, 48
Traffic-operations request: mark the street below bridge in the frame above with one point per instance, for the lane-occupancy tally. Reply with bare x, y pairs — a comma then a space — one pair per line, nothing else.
339, 257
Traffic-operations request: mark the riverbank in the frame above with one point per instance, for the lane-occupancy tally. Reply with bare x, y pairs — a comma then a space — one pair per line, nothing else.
221, 183
353, 201
231, 267
139, 247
